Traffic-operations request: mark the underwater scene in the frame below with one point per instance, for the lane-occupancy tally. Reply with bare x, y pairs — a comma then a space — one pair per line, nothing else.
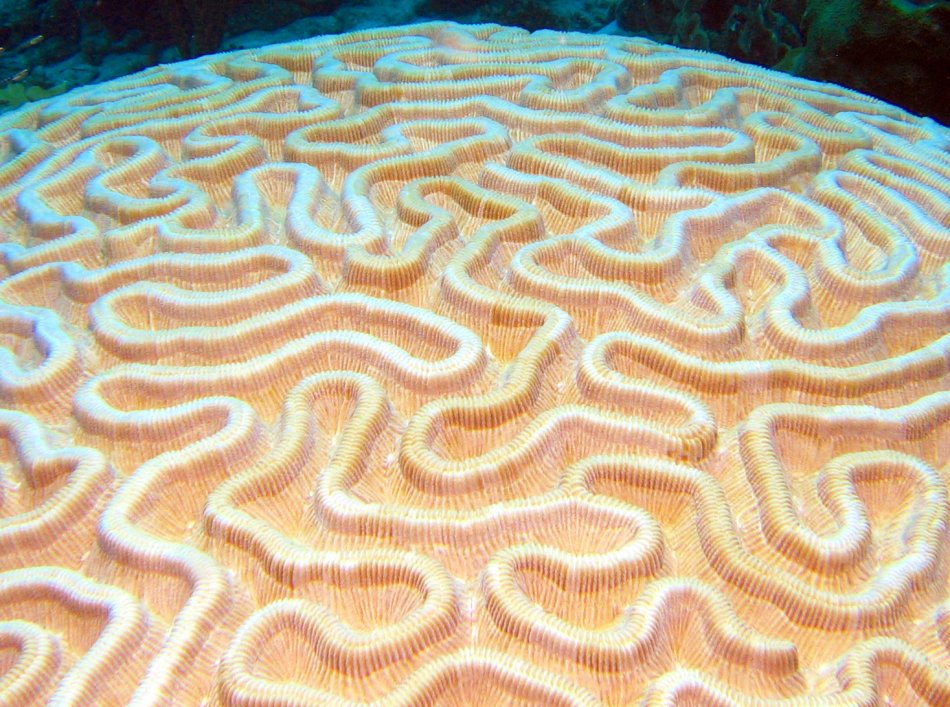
896, 50
525, 352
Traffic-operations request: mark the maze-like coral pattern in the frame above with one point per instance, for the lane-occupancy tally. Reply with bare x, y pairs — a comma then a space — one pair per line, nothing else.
447, 364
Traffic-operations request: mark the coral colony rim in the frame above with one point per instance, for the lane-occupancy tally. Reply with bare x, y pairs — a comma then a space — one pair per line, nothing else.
421, 363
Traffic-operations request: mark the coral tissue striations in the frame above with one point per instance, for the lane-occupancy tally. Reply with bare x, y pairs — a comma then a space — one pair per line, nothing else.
455, 364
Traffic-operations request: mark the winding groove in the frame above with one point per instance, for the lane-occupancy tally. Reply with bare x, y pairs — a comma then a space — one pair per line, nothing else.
461, 364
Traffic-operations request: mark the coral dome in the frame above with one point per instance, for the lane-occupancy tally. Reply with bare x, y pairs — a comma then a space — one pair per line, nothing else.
458, 364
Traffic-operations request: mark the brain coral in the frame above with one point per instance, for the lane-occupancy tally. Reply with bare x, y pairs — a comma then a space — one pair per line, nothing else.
446, 364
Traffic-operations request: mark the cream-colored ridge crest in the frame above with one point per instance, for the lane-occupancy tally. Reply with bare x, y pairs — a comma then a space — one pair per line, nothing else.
451, 364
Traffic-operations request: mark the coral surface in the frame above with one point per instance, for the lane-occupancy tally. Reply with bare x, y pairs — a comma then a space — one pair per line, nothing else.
444, 364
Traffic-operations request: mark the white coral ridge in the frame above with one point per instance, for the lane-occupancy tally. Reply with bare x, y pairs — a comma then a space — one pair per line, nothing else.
447, 364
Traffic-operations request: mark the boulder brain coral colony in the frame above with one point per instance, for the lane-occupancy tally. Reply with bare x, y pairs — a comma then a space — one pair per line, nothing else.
444, 363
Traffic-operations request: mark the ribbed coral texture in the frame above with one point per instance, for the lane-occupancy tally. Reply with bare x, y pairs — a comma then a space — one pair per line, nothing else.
462, 365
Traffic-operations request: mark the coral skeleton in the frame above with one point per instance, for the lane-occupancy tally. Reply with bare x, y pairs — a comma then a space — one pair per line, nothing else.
461, 364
